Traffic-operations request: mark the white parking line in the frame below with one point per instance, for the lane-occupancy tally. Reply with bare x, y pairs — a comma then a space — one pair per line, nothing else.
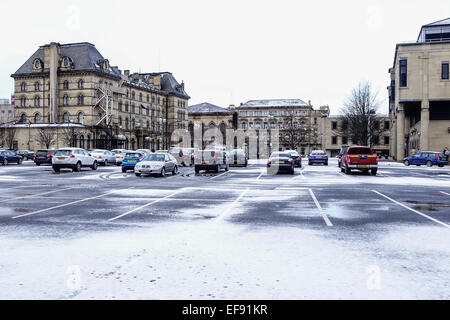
448, 194
259, 177
411, 209
227, 211
325, 217
220, 175
36, 195
145, 206
66, 204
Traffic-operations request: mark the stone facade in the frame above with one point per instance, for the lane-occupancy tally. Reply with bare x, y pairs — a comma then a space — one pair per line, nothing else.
74, 84
6, 111
419, 93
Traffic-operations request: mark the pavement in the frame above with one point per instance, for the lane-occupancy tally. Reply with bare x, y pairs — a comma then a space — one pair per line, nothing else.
319, 234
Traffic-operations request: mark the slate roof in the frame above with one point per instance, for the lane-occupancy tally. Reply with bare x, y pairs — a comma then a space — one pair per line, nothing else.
207, 108
274, 103
86, 57
442, 22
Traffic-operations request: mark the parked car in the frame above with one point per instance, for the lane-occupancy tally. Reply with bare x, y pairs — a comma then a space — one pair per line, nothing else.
145, 151
280, 162
104, 157
428, 158
157, 163
9, 156
341, 153
119, 154
131, 159
182, 156
237, 157
296, 157
162, 151
318, 156
44, 156
211, 160
73, 158
193, 152
359, 158
26, 154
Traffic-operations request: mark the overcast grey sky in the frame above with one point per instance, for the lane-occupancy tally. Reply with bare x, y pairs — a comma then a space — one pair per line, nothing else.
228, 51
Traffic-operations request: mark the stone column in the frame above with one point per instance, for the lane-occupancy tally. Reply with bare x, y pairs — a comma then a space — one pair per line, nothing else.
400, 133
424, 124
393, 139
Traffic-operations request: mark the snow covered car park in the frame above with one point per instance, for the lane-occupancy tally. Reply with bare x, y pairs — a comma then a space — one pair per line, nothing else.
233, 235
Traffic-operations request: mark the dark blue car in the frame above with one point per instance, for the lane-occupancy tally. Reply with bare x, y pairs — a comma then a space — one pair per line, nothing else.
428, 158
131, 159
8, 156
318, 156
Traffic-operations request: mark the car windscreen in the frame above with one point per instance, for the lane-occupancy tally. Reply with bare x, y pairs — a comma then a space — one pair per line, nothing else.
354, 151
281, 155
133, 155
318, 153
64, 153
41, 152
156, 157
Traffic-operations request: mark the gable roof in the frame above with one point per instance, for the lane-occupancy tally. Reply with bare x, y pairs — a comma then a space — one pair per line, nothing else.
206, 107
442, 22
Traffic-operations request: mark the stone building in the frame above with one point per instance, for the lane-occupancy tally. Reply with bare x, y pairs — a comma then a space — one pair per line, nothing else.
6, 111
102, 107
419, 93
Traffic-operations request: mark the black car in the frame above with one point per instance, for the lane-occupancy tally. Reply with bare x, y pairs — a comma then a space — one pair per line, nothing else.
280, 162
9, 156
44, 156
26, 155
295, 157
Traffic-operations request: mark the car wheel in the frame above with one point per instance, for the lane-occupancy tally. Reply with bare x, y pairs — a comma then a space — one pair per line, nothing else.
94, 166
38, 164
227, 168
175, 171
197, 171
56, 169
77, 167
348, 171
342, 170
441, 166
137, 174
20, 161
106, 163
292, 171
406, 163
326, 164
124, 170
429, 163
5, 162
163, 172
374, 172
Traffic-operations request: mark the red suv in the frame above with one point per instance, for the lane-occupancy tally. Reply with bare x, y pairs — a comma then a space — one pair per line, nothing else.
359, 158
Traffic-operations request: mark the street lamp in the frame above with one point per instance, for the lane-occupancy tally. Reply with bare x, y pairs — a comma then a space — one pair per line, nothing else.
163, 121
29, 135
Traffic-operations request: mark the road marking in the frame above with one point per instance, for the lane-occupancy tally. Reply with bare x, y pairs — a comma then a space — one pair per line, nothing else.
231, 206
220, 175
145, 206
413, 210
259, 177
36, 195
325, 217
66, 204
448, 194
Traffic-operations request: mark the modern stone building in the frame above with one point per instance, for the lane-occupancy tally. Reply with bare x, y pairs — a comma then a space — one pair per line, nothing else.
419, 93
102, 107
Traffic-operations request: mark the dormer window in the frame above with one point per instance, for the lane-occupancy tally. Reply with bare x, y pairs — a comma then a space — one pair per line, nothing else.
66, 62
37, 64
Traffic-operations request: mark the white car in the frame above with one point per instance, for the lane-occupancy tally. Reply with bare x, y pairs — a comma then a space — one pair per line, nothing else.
157, 163
73, 158
120, 155
104, 157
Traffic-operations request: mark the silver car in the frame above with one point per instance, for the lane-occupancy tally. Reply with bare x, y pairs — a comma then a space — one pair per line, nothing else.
73, 158
157, 163
104, 157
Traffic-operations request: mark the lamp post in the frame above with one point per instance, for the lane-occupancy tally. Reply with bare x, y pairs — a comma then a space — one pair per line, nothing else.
29, 135
163, 121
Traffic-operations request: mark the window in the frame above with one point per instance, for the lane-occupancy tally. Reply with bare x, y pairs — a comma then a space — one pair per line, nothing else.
344, 124
37, 118
258, 125
66, 100
334, 140
37, 101
376, 125
376, 140
386, 140
23, 118
120, 105
387, 125
345, 140
80, 118
126, 106
66, 85
148, 98
23, 86
334, 126
37, 86
244, 125
445, 70
403, 73
315, 121
266, 125
250, 114
126, 124
23, 102
80, 84
140, 96
272, 125
250, 124
66, 117
80, 100
243, 114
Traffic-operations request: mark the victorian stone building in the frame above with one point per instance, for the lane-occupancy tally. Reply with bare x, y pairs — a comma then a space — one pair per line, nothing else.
72, 90
419, 93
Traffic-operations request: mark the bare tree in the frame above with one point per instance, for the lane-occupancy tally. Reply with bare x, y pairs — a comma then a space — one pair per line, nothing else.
360, 122
2, 137
294, 132
10, 137
46, 137
67, 136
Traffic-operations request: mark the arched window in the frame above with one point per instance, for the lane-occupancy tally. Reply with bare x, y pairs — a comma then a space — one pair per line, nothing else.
37, 101
23, 118
120, 105
140, 96
23, 102
126, 124
23, 86
66, 85
37, 118
66, 100
82, 141
133, 95
133, 124
80, 118
120, 122
148, 124
148, 98
37, 86
80, 84
80, 100
212, 125
244, 125
66, 117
